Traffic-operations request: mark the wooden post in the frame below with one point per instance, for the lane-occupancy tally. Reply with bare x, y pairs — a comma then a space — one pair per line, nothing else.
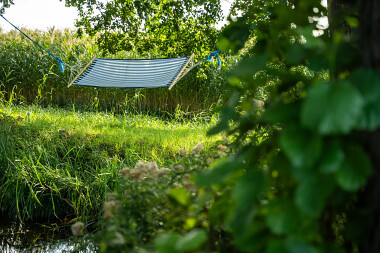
179, 74
80, 73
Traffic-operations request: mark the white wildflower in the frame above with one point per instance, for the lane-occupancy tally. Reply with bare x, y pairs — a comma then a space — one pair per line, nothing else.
189, 185
186, 177
125, 172
178, 167
140, 165
109, 208
137, 174
222, 148
77, 228
151, 166
162, 172
197, 149
183, 152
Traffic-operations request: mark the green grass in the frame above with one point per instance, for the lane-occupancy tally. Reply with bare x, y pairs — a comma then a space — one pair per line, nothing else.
60, 163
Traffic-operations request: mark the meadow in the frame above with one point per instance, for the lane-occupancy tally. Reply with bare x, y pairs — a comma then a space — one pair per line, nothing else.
57, 163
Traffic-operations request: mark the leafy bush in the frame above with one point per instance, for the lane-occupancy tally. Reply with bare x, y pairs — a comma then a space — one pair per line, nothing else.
151, 201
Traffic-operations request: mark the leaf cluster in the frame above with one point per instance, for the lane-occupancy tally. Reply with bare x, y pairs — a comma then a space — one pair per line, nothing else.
161, 28
6, 4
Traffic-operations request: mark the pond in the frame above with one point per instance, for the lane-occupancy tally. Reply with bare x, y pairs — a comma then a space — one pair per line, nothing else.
37, 237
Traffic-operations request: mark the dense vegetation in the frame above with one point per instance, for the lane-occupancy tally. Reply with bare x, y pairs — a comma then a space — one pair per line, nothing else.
297, 173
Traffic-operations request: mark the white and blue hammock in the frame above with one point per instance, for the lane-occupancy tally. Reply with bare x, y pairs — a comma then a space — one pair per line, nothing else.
133, 73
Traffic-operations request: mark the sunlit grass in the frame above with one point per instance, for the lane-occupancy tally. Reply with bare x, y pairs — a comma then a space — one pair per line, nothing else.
61, 163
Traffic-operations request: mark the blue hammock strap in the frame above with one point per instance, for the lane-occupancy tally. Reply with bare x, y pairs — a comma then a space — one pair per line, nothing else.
216, 53
264, 17
210, 58
60, 62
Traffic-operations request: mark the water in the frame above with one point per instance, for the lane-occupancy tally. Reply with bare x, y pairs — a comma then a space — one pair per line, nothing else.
16, 237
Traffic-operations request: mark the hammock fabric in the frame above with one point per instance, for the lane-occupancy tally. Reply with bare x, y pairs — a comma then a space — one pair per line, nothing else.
132, 73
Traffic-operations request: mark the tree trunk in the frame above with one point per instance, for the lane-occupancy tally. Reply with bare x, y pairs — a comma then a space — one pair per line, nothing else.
369, 49
338, 10
369, 35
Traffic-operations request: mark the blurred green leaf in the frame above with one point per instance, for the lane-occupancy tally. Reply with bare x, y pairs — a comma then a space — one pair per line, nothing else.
310, 196
246, 193
281, 113
352, 21
296, 54
180, 195
355, 169
165, 243
220, 127
276, 246
301, 147
219, 171
250, 66
234, 36
191, 241
282, 217
332, 108
332, 158
368, 83
295, 245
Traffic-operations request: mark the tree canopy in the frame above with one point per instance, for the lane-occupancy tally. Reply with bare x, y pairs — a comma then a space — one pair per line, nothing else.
167, 28
6, 4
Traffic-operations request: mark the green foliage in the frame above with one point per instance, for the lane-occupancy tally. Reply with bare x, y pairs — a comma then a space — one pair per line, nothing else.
156, 28
338, 113
6, 4
168, 243
159, 207
301, 161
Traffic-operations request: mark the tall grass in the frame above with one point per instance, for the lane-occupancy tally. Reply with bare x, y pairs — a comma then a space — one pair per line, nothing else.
61, 163
34, 76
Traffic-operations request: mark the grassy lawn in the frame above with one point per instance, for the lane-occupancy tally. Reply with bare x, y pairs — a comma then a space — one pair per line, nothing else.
60, 163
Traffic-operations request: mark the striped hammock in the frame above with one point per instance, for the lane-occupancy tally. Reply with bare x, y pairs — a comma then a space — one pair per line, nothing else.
132, 73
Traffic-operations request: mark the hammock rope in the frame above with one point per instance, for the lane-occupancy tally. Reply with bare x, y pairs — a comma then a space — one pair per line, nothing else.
60, 62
